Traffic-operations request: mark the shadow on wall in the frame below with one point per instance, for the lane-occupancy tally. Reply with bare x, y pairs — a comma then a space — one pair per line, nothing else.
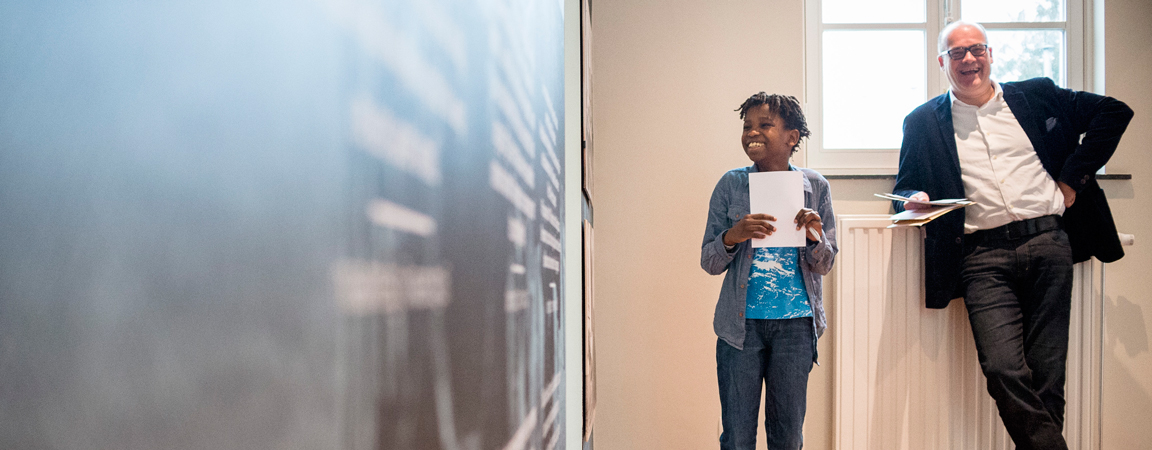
1126, 335
1125, 326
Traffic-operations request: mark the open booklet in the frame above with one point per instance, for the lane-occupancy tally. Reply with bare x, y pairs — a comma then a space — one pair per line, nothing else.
919, 217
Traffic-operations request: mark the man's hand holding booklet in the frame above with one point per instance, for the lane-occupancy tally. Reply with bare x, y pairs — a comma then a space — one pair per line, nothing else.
927, 212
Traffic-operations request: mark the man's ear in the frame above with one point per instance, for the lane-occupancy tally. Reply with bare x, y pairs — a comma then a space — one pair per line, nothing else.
940, 59
793, 137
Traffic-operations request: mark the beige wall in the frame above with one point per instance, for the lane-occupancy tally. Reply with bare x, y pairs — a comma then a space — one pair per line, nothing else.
667, 76
1128, 289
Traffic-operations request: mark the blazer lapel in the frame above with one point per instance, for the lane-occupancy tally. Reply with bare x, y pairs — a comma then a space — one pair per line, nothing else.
947, 133
1019, 104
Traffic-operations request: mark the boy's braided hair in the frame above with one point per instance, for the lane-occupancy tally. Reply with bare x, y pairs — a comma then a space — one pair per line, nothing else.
784, 106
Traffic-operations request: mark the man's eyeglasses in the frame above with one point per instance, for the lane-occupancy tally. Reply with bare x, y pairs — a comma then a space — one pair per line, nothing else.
958, 53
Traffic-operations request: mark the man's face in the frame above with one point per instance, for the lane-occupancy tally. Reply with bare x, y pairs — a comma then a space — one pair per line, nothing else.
969, 75
766, 140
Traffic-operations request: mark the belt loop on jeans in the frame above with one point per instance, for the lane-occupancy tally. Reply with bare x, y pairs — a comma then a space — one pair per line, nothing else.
1019, 229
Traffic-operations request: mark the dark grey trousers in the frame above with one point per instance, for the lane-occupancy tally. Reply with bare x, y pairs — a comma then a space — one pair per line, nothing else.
1018, 293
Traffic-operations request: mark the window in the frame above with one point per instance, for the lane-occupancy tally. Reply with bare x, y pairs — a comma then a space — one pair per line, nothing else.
870, 63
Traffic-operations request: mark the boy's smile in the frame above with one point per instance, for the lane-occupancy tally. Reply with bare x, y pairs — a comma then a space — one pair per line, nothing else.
766, 140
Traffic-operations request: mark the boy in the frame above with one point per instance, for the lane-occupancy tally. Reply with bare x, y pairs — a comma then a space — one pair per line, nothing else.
770, 310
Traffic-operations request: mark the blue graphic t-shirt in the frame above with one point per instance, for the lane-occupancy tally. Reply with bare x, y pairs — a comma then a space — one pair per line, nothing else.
775, 285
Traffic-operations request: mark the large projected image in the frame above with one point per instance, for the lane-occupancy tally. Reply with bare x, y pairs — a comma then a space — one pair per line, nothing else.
295, 224
450, 286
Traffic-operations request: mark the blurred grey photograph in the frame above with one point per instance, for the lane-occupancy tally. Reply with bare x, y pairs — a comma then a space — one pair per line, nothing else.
575, 224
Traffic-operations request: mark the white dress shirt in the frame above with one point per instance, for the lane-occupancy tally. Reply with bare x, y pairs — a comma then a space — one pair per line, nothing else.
999, 167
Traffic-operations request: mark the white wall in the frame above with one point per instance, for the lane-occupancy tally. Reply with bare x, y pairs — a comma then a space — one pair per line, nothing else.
668, 75
1128, 289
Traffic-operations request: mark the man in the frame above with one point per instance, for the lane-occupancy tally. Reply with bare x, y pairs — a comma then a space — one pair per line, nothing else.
1014, 149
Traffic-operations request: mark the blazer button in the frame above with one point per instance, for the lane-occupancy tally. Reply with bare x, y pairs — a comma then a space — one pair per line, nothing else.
741, 315
959, 240
741, 286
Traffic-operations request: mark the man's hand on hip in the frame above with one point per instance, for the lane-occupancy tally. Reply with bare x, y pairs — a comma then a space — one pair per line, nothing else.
1069, 193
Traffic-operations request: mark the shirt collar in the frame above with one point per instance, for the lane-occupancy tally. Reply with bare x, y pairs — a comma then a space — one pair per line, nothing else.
997, 95
807, 182
754, 169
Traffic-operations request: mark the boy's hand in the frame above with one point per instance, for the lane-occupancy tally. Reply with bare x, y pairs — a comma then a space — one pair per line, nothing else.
810, 219
757, 226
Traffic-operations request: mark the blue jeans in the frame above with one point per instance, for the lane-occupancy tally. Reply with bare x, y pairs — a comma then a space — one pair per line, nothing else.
777, 354
1018, 293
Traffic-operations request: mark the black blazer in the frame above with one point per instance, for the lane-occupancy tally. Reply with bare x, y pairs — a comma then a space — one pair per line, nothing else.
1054, 119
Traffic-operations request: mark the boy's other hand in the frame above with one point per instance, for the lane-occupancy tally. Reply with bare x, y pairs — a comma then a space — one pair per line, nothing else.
750, 226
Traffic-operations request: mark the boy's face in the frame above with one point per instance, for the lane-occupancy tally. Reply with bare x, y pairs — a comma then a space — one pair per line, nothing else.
766, 140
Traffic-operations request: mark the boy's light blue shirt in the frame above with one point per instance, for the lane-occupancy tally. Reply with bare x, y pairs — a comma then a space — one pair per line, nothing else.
728, 204
775, 285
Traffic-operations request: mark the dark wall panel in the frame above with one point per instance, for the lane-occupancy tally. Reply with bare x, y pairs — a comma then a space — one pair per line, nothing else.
290, 224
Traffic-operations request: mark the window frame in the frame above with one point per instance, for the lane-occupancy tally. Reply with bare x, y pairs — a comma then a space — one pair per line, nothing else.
1078, 44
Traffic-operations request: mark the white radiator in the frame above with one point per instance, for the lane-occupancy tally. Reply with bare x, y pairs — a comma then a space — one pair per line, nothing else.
907, 377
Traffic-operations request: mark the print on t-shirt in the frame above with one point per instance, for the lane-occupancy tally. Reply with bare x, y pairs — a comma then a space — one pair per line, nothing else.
776, 286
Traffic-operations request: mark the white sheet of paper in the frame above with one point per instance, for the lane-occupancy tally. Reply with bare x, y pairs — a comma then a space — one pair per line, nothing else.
781, 195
